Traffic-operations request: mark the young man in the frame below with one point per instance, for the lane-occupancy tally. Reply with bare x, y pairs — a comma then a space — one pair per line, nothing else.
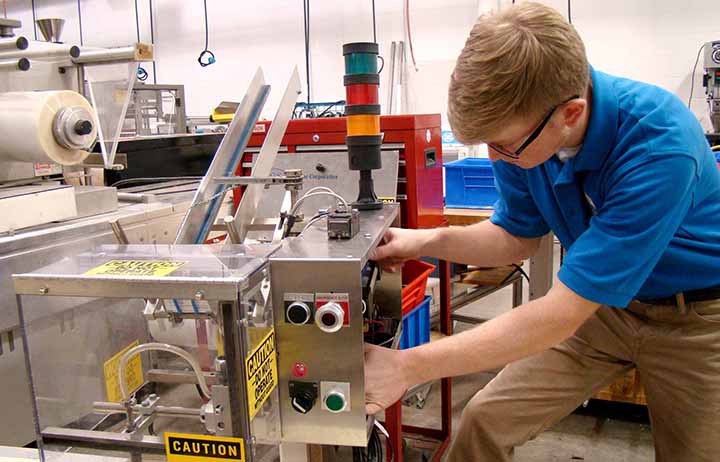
621, 173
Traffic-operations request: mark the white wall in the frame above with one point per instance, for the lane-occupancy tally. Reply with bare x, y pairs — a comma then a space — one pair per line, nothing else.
651, 40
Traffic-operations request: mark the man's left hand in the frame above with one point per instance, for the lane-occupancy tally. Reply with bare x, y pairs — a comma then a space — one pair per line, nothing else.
385, 378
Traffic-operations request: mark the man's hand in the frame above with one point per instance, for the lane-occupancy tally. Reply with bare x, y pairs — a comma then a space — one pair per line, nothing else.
400, 245
385, 379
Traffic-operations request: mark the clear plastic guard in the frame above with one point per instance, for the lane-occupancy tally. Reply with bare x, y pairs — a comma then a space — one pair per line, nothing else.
74, 345
110, 98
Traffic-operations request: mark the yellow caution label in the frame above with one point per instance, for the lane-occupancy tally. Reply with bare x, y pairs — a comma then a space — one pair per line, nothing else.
181, 447
261, 373
133, 374
148, 268
387, 200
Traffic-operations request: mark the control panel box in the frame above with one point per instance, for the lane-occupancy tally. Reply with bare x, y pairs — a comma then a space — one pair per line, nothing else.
321, 326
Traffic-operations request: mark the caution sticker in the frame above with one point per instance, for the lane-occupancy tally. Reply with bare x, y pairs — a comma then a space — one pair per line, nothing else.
387, 200
156, 268
181, 447
133, 374
261, 373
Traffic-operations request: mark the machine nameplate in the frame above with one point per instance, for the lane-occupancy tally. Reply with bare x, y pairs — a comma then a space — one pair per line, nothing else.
151, 268
262, 375
133, 374
181, 447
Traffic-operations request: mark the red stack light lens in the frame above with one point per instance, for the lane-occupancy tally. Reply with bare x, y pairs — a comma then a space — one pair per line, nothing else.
362, 93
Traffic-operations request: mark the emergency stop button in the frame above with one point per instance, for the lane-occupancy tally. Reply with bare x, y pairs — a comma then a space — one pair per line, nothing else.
329, 318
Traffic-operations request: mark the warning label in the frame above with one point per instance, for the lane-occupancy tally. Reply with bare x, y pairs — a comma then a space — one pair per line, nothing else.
156, 268
262, 376
133, 374
196, 448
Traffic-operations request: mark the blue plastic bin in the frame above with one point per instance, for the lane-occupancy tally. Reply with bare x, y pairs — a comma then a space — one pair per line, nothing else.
470, 184
416, 326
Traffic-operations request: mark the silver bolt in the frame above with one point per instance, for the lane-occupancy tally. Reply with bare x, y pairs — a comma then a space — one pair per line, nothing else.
199, 295
44, 290
316, 138
368, 235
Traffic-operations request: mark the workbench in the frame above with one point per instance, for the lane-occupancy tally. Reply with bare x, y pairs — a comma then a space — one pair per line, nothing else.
541, 266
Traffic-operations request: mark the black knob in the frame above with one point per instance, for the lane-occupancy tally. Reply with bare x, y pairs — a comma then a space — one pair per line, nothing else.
303, 402
83, 127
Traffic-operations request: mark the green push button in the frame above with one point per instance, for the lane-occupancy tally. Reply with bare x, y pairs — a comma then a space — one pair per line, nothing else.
335, 402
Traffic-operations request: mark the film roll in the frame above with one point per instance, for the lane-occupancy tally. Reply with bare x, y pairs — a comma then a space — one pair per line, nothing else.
46, 126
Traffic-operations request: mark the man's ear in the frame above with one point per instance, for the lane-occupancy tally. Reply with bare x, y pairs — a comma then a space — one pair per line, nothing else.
573, 110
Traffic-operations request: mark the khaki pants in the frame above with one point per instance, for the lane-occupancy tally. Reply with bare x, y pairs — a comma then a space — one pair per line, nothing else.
677, 357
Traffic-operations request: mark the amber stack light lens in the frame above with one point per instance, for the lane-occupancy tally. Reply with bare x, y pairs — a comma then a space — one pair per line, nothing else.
363, 117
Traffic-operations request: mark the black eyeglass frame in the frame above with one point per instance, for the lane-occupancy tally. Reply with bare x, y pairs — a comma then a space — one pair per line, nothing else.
533, 136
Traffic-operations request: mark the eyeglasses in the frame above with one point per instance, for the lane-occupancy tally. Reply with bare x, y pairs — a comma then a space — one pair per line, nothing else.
533, 135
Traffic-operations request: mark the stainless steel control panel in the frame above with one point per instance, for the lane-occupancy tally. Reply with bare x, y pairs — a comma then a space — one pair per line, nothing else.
320, 322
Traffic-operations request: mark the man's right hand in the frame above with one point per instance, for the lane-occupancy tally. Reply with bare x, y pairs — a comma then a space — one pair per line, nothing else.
400, 245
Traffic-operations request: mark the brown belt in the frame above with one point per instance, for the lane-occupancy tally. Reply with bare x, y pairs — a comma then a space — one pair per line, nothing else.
681, 299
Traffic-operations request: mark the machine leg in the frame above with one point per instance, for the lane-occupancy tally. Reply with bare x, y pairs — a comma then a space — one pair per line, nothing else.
541, 268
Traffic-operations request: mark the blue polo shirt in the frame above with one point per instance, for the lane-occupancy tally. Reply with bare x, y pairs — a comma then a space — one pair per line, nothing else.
638, 207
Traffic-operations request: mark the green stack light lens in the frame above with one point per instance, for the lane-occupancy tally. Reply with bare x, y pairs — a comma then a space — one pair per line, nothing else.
361, 63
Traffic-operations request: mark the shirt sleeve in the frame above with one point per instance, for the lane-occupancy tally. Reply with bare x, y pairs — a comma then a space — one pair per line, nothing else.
646, 202
515, 211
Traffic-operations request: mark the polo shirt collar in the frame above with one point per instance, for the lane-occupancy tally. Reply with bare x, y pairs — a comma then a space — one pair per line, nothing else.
602, 127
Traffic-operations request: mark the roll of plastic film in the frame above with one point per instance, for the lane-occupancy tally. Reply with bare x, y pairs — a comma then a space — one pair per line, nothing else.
361, 63
358, 125
361, 94
46, 126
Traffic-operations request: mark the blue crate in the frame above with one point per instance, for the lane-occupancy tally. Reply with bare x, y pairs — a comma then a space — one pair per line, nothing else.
416, 326
470, 183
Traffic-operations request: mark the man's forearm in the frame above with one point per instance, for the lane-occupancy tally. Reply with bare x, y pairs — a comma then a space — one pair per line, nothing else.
483, 244
524, 331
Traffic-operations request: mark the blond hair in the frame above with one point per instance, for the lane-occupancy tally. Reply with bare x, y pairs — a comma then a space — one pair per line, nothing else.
516, 63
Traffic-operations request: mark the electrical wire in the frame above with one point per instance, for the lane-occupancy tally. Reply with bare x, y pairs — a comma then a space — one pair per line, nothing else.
374, 22
409, 33
295, 208
137, 21
312, 221
306, 26
169, 349
715, 148
80, 22
32, 6
153, 180
692, 77
569, 12
206, 57
152, 40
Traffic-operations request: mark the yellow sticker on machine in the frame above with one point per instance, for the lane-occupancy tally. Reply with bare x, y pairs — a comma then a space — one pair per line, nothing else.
261, 373
133, 374
181, 447
156, 268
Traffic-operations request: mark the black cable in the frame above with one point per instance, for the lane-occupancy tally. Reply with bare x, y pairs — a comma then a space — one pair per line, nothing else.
692, 78
32, 5
569, 13
137, 22
306, 19
206, 57
156, 179
80, 22
374, 23
152, 40
330, 107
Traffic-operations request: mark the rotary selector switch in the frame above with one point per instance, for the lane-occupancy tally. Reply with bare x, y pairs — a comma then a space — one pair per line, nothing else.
298, 313
329, 317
